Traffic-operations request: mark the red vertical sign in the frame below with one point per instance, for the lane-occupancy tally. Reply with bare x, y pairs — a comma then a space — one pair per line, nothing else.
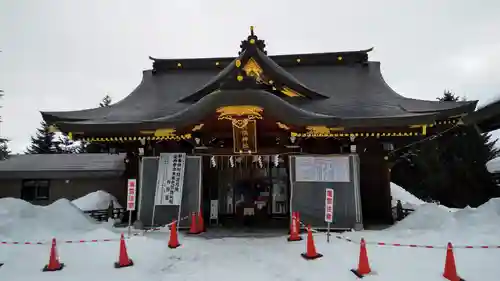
329, 205
131, 192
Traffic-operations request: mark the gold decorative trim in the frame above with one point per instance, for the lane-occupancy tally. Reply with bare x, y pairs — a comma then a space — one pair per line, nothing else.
164, 132
357, 134
291, 93
135, 138
239, 114
253, 69
282, 126
250, 111
197, 127
317, 130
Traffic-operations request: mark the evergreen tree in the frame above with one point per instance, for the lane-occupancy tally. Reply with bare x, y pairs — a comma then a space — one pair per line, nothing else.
451, 168
95, 147
43, 141
66, 145
106, 101
4, 149
448, 96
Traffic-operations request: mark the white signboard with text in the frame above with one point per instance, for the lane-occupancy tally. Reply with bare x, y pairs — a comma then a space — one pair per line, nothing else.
322, 169
170, 179
329, 205
131, 194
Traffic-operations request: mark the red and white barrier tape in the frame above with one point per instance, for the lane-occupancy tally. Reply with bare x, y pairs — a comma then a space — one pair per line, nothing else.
408, 245
59, 241
167, 225
82, 241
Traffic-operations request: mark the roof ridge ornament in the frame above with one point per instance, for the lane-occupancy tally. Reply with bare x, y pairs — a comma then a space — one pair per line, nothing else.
252, 42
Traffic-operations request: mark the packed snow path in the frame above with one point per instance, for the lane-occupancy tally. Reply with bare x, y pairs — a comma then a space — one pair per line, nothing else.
246, 258
239, 259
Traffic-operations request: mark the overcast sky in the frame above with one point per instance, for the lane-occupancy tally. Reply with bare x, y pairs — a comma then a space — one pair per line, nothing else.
66, 55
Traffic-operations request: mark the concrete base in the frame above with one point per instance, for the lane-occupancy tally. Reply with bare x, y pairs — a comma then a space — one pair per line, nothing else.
358, 226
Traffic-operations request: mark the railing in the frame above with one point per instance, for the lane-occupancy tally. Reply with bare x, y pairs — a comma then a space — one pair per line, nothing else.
104, 215
399, 213
496, 178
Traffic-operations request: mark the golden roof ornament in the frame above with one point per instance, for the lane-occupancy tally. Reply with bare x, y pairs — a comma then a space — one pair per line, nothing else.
252, 42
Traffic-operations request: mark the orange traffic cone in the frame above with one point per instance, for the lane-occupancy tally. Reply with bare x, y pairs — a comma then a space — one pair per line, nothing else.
310, 253
173, 242
363, 264
123, 259
294, 232
54, 264
450, 269
193, 229
201, 223
299, 226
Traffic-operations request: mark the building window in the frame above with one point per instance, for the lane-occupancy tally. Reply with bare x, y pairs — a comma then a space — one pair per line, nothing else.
33, 190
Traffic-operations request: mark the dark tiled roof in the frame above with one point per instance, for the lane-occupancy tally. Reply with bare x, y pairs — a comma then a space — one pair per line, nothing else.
62, 165
349, 91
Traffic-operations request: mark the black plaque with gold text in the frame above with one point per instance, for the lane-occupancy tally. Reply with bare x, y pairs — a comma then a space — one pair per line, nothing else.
245, 138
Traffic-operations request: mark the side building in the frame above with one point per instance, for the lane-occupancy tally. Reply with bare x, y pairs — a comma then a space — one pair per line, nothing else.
44, 178
266, 135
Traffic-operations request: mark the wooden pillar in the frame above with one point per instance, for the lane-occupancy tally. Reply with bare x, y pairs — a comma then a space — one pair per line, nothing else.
374, 182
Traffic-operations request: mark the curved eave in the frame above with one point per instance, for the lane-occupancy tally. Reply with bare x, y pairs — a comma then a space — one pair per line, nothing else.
451, 109
87, 114
444, 109
486, 118
273, 106
51, 117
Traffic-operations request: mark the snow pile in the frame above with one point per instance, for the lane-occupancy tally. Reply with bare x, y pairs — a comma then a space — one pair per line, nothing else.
428, 216
493, 165
98, 200
20, 220
433, 224
408, 200
431, 216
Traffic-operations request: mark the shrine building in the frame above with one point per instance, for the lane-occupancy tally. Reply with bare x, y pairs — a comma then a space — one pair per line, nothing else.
264, 135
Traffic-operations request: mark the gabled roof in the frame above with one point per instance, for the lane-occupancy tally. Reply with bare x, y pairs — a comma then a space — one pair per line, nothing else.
65, 166
342, 88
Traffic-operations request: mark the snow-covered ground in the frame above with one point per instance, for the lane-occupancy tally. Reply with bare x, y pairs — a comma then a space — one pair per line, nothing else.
246, 258
98, 200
